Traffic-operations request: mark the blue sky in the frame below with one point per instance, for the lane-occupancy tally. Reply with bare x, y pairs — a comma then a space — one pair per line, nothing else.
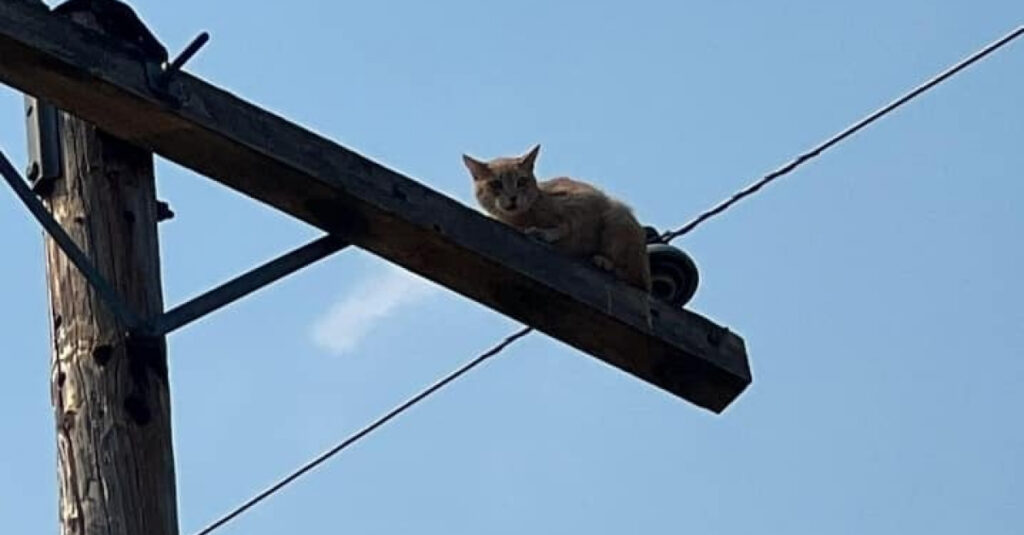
878, 288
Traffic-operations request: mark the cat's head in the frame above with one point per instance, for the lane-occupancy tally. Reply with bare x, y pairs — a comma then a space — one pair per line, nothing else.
505, 186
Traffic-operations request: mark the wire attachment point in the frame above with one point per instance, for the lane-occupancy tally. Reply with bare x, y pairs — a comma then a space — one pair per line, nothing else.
191, 50
159, 76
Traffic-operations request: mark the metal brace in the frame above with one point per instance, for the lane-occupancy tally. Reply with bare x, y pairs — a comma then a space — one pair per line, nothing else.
127, 317
243, 285
192, 309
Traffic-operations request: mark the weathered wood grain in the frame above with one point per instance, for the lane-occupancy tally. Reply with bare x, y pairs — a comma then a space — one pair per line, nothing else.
110, 394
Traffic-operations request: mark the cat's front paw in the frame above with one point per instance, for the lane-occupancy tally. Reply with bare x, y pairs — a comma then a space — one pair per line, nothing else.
603, 262
542, 234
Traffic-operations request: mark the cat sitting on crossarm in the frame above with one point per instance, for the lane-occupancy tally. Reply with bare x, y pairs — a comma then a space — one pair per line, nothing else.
573, 216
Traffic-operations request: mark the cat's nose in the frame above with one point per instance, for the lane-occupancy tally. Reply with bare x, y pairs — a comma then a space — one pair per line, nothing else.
512, 203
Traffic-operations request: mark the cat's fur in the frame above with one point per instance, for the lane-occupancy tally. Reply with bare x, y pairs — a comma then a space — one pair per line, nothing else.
573, 216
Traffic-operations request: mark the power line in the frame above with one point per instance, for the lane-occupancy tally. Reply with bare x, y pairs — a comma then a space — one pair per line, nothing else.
509, 340
849, 131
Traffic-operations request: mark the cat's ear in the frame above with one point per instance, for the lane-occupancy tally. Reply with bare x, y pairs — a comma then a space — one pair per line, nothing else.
478, 169
527, 160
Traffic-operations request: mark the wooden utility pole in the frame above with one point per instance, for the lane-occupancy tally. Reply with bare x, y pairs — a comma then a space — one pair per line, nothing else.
109, 390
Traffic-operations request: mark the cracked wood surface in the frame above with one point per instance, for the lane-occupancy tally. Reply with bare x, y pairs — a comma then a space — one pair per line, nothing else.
109, 394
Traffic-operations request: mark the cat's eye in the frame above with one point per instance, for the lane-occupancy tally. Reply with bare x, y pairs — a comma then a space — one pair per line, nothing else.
521, 181
494, 185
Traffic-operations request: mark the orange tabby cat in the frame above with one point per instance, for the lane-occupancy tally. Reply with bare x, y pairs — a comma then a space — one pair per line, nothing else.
575, 217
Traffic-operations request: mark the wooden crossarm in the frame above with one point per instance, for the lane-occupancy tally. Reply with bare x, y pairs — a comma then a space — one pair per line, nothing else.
318, 181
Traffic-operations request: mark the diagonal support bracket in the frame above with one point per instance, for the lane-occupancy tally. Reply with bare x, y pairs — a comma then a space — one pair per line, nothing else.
107, 293
184, 313
243, 285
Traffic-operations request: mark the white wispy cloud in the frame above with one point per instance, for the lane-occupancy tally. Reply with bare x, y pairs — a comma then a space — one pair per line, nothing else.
368, 304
